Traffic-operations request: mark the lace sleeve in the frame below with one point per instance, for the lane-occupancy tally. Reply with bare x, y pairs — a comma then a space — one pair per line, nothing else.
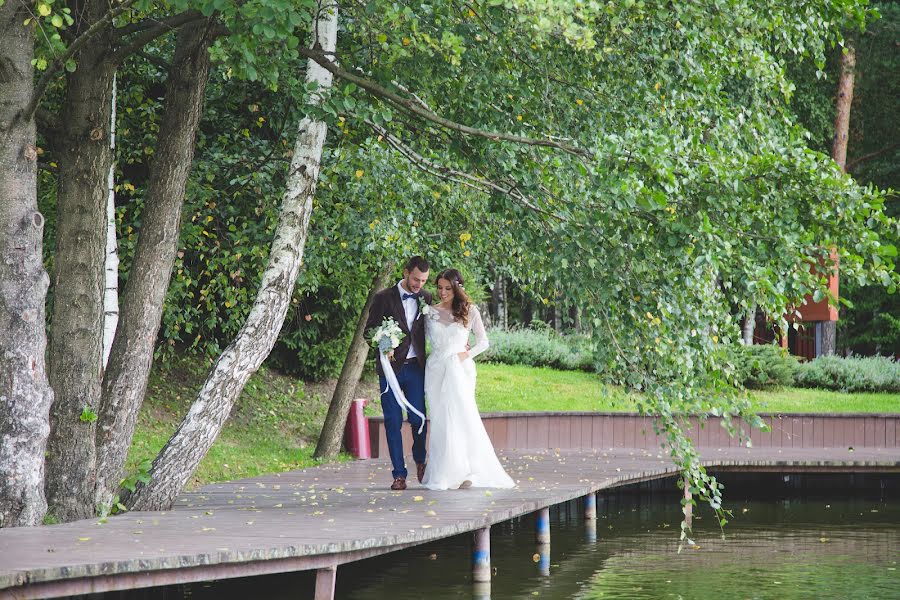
477, 326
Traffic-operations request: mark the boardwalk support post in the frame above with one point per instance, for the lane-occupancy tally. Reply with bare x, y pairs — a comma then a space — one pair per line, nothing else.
543, 552
688, 508
481, 555
542, 526
325, 579
590, 507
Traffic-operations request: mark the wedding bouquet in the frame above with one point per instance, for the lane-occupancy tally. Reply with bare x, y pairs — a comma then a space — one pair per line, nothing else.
387, 336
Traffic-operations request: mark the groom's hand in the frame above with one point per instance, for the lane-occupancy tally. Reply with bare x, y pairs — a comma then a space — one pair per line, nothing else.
463, 355
390, 355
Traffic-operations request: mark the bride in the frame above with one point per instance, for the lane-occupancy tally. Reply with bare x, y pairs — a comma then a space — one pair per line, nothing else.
460, 454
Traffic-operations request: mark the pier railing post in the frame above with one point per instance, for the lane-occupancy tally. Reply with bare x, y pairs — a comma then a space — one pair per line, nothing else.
688, 508
325, 579
481, 555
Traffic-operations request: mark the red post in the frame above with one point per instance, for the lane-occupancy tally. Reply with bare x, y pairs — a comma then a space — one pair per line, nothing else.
356, 434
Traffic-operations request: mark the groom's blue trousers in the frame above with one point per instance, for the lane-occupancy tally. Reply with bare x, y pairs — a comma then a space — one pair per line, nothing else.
412, 381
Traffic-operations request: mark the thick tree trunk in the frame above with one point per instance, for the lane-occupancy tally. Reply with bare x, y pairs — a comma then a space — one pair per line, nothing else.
498, 294
843, 104
142, 300
111, 291
749, 327
329, 443
76, 330
186, 448
25, 394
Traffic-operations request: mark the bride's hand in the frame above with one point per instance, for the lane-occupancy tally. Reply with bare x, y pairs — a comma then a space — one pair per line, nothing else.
463, 356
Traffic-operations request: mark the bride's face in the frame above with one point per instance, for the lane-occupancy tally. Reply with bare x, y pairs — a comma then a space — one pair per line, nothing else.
445, 291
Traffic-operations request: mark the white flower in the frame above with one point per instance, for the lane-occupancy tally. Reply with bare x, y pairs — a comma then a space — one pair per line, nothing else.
387, 336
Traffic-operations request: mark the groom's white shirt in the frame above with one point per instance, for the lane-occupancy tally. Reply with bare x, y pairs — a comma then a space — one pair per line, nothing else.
411, 308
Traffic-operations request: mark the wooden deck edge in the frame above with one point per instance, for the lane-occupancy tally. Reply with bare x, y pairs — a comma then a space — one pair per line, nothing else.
15, 587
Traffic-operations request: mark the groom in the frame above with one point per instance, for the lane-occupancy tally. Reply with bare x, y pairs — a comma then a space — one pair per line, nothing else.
401, 303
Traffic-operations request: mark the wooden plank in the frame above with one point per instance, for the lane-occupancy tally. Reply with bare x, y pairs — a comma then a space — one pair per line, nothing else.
586, 425
554, 439
880, 433
597, 439
891, 439
819, 431
859, 433
869, 439
501, 433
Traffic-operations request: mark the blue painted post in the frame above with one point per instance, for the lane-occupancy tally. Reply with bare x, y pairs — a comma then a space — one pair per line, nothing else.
590, 507
542, 526
543, 551
481, 555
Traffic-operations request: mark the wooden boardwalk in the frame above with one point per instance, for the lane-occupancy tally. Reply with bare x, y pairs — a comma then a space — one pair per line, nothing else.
325, 516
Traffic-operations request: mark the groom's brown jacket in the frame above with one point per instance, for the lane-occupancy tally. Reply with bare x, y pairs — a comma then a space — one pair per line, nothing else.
387, 303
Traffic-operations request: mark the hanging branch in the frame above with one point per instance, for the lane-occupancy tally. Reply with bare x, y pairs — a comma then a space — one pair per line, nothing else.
415, 108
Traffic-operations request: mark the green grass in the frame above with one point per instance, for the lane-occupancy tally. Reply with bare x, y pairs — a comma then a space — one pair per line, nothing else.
505, 388
273, 426
823, 401
513, 388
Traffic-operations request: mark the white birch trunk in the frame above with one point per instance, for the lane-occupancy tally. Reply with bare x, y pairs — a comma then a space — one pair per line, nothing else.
749, 326
111, 294
195, 435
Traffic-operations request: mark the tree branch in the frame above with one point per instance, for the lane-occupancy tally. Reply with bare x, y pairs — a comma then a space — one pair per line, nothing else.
415, 108
867, 157
73, 49
151, 33
480, 184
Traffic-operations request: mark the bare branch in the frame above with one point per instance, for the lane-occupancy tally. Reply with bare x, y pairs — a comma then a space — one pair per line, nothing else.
867, 157
413, 107
158, 30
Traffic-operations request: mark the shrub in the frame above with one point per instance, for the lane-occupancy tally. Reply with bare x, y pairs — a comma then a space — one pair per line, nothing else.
851, 374
541, 347
764, 365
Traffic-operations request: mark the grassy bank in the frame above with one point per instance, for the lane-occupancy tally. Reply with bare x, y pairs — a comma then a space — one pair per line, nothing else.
273, 427
507, 388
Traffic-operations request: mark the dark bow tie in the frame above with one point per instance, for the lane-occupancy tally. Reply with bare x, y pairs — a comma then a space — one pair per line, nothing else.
408, 296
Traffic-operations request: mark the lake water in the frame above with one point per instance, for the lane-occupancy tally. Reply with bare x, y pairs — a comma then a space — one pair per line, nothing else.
818, 544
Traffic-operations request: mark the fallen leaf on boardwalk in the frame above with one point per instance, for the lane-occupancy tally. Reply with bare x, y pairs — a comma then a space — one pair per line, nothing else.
319, 512
823, 539
432, 502
83, 539
430, 513
426, 526
369, 510
488, 493
279, 505
418, 498
249, 522
208, 529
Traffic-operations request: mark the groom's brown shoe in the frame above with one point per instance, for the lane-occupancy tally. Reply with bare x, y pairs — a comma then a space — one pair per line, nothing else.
399, 484
420, 471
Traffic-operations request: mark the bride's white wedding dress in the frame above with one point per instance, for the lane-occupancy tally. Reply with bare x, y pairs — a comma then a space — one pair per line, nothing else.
459, 449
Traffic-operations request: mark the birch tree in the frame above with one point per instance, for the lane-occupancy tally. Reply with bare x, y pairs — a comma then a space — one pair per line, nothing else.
186, 448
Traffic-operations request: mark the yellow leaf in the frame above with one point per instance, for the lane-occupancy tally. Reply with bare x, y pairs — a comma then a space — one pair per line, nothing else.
84, 539
518, 117
43, 9
359, 173
418, 498
406, 41
536, 558
579, 101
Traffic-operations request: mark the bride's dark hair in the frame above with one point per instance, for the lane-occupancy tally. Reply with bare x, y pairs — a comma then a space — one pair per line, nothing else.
460, 305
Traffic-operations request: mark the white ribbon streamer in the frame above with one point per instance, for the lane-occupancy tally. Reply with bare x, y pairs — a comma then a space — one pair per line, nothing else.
394, 386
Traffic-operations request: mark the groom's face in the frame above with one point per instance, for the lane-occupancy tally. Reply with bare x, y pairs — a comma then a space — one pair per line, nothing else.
414, 280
